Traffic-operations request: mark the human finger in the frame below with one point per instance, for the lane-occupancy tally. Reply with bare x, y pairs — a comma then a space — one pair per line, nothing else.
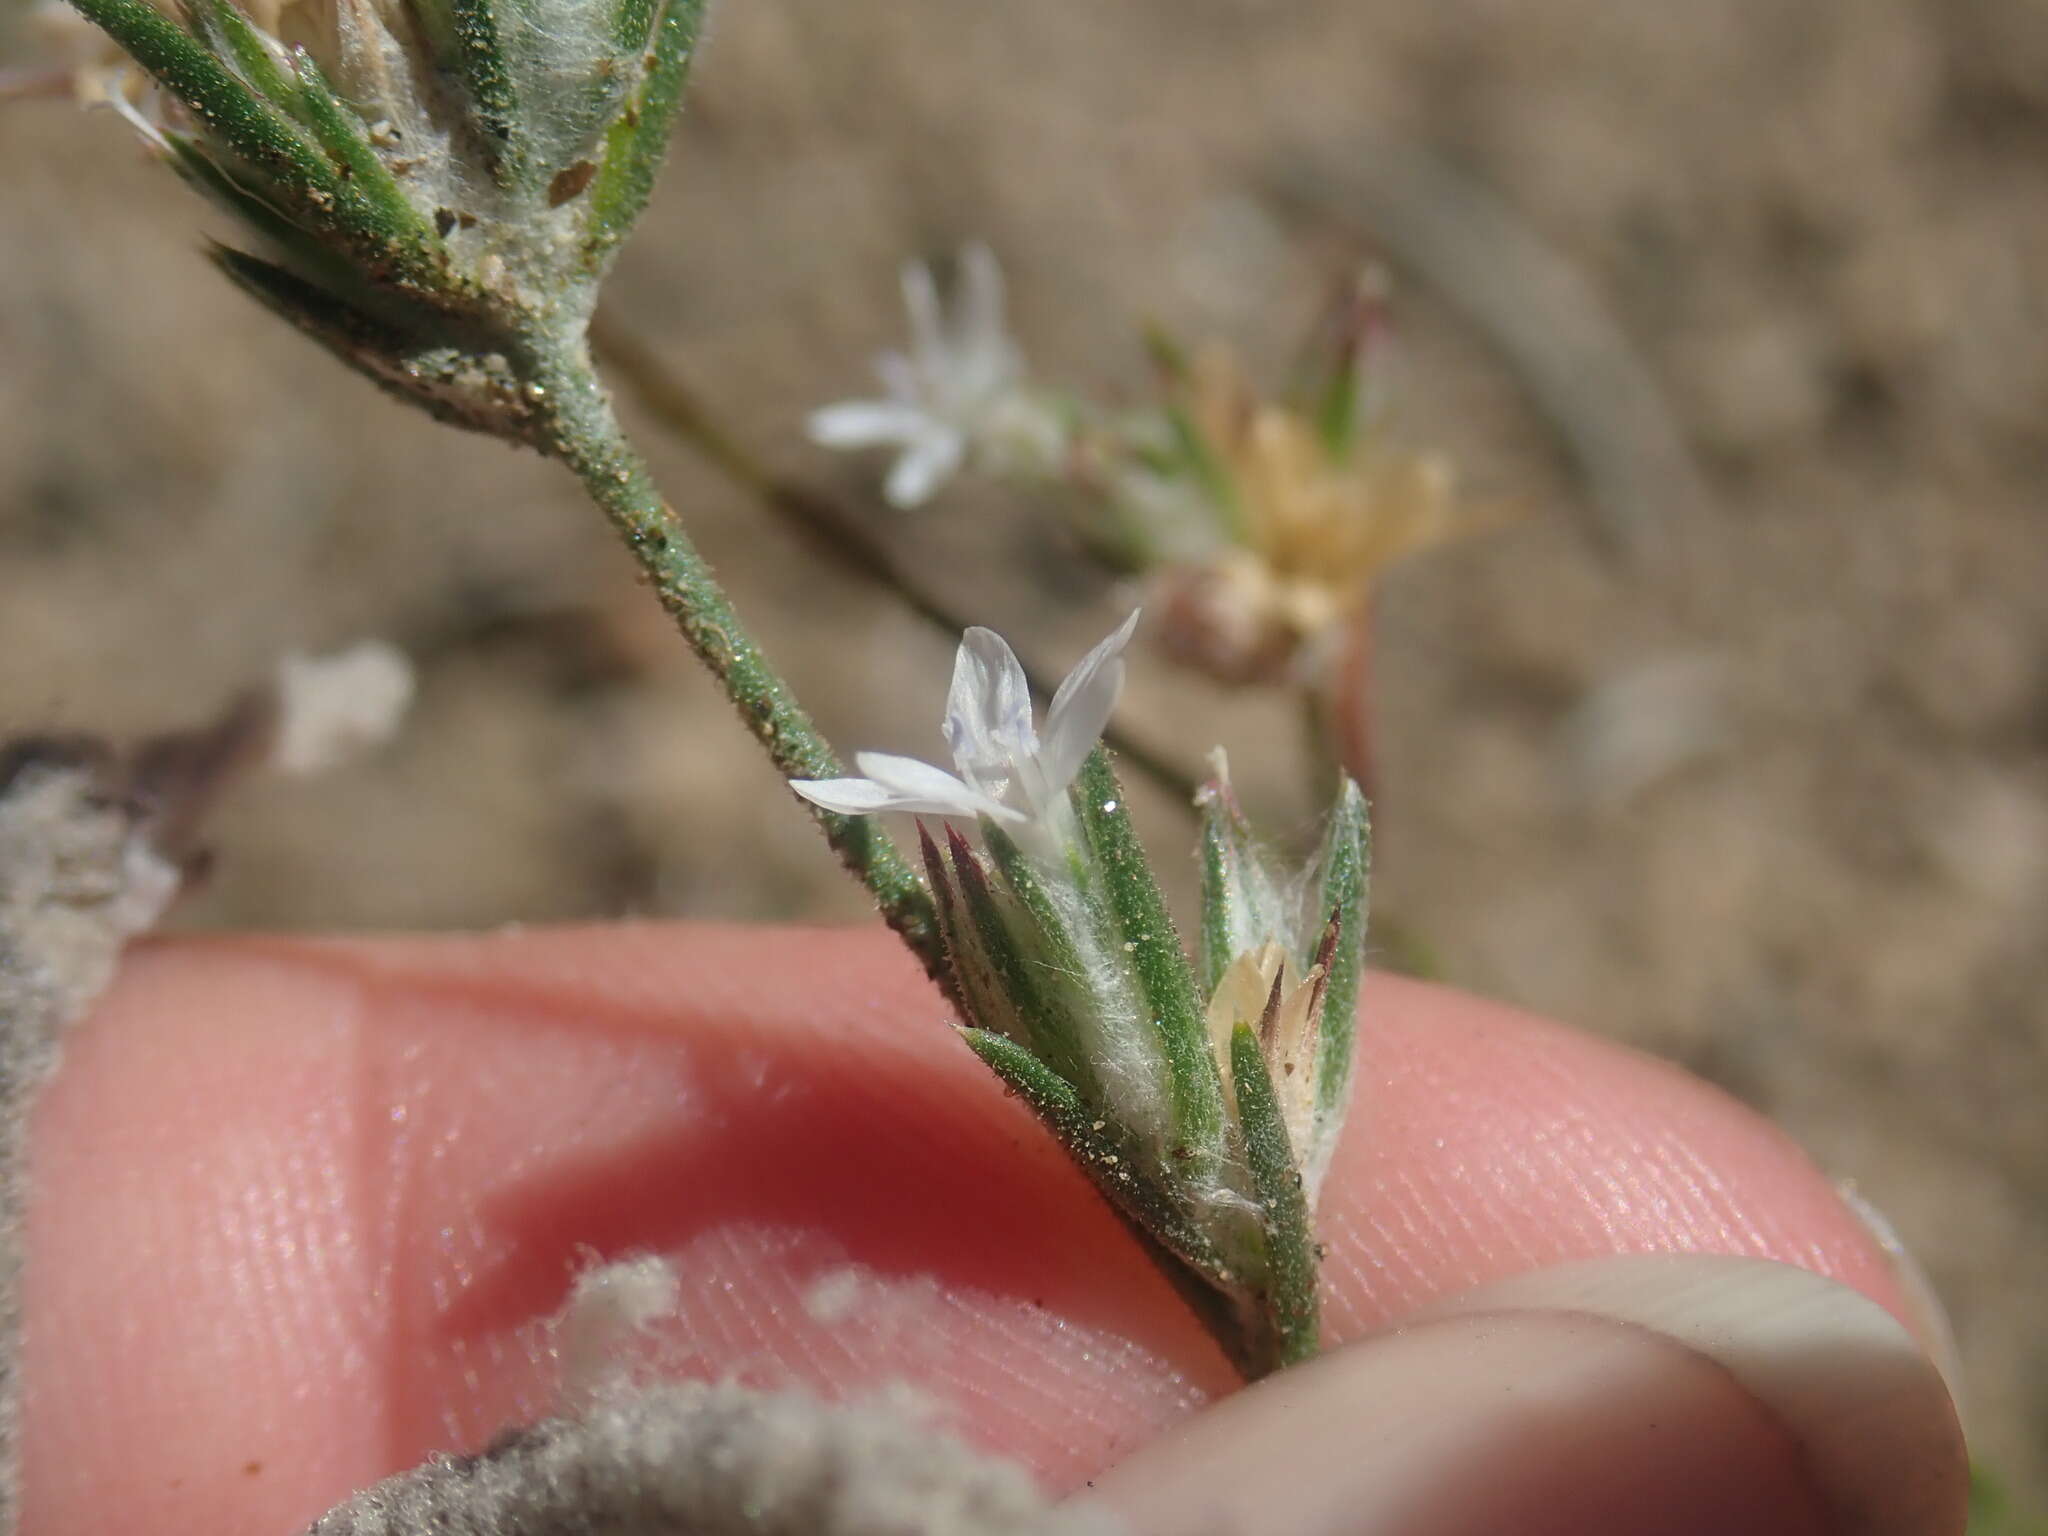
303, 1206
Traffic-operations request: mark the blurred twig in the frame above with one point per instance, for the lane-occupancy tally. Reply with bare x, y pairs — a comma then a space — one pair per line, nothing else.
1465, 241
832, 529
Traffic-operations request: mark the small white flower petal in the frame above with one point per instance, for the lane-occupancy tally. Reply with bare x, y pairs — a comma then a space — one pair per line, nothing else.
927, 321
927, 462
984, 365
981, 299
988, 710
1081, 708
867, 424
920, 787
899, 376
849, 797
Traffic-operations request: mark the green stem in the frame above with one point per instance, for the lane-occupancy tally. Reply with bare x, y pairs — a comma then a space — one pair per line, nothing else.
584, 433
829, 526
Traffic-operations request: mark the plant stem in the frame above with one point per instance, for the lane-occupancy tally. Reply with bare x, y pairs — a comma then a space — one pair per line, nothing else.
829, 527
584, 433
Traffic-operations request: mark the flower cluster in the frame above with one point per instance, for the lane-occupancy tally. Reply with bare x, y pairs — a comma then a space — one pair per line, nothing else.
1203, 1097
1305, 520
426, 187
1265, 525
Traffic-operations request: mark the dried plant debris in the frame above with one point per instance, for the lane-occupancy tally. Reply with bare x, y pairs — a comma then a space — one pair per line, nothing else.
704, 1460
80, 874
94, 844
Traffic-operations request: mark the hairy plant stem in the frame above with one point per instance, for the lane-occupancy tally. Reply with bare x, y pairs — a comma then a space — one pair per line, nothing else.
828, 526
582, 430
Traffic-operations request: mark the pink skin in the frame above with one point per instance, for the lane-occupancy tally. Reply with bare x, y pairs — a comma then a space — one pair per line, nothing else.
300, 1205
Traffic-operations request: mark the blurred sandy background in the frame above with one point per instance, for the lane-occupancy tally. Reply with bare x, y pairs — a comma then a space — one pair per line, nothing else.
1737, 751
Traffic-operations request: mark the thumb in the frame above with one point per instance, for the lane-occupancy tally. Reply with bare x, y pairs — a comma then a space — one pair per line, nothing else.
1635, 1395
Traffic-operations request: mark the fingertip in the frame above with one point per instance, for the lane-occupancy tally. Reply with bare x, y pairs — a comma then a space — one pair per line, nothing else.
1637, 1396
1485, 1142
330, 1188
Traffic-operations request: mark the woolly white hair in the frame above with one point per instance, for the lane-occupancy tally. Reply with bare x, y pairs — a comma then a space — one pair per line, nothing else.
705, 1460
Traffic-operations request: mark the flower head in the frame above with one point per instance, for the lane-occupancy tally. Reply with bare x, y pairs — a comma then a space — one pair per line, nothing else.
1281, 955
1005, 769
958, 390
425, 189
1308, 522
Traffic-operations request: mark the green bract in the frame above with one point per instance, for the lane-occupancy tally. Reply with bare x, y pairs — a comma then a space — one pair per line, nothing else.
433, 188
1205, 1112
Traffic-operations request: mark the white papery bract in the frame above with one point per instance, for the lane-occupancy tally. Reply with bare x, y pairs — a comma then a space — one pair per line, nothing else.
959, 390
1004, 768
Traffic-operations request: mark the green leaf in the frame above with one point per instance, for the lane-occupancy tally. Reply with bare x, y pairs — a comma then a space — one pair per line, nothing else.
1290, 1300
972, 980
1337, 413
1103, 1150
1167, 353
1121, 880
479, 57
372, 193
1064, 1014
230, 111
222, 26
1343, 895
191, 161
1017, 1002
638, 139
1216, 903
364, 342
1198, 458
1241, 903
461, 386
1332, 384
632, 22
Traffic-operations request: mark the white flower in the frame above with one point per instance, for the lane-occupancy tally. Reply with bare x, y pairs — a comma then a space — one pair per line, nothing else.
1006, 770
959, 388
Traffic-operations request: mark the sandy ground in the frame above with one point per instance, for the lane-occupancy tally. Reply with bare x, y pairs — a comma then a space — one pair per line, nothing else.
1731, 743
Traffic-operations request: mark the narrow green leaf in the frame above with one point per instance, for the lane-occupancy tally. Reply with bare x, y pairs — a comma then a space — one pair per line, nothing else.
230, 111
223, 25
360, 340
368, 187
480, 60
1167, 353
1241, 902
1290, 1298
198, 168
638, 139
463, 387
971, 982
1199, 460
1345, 894
1216, 925
1139, 924
1337, 412
1332, 384
1016, 1000
632, 22
1101, 1149
1057, 973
